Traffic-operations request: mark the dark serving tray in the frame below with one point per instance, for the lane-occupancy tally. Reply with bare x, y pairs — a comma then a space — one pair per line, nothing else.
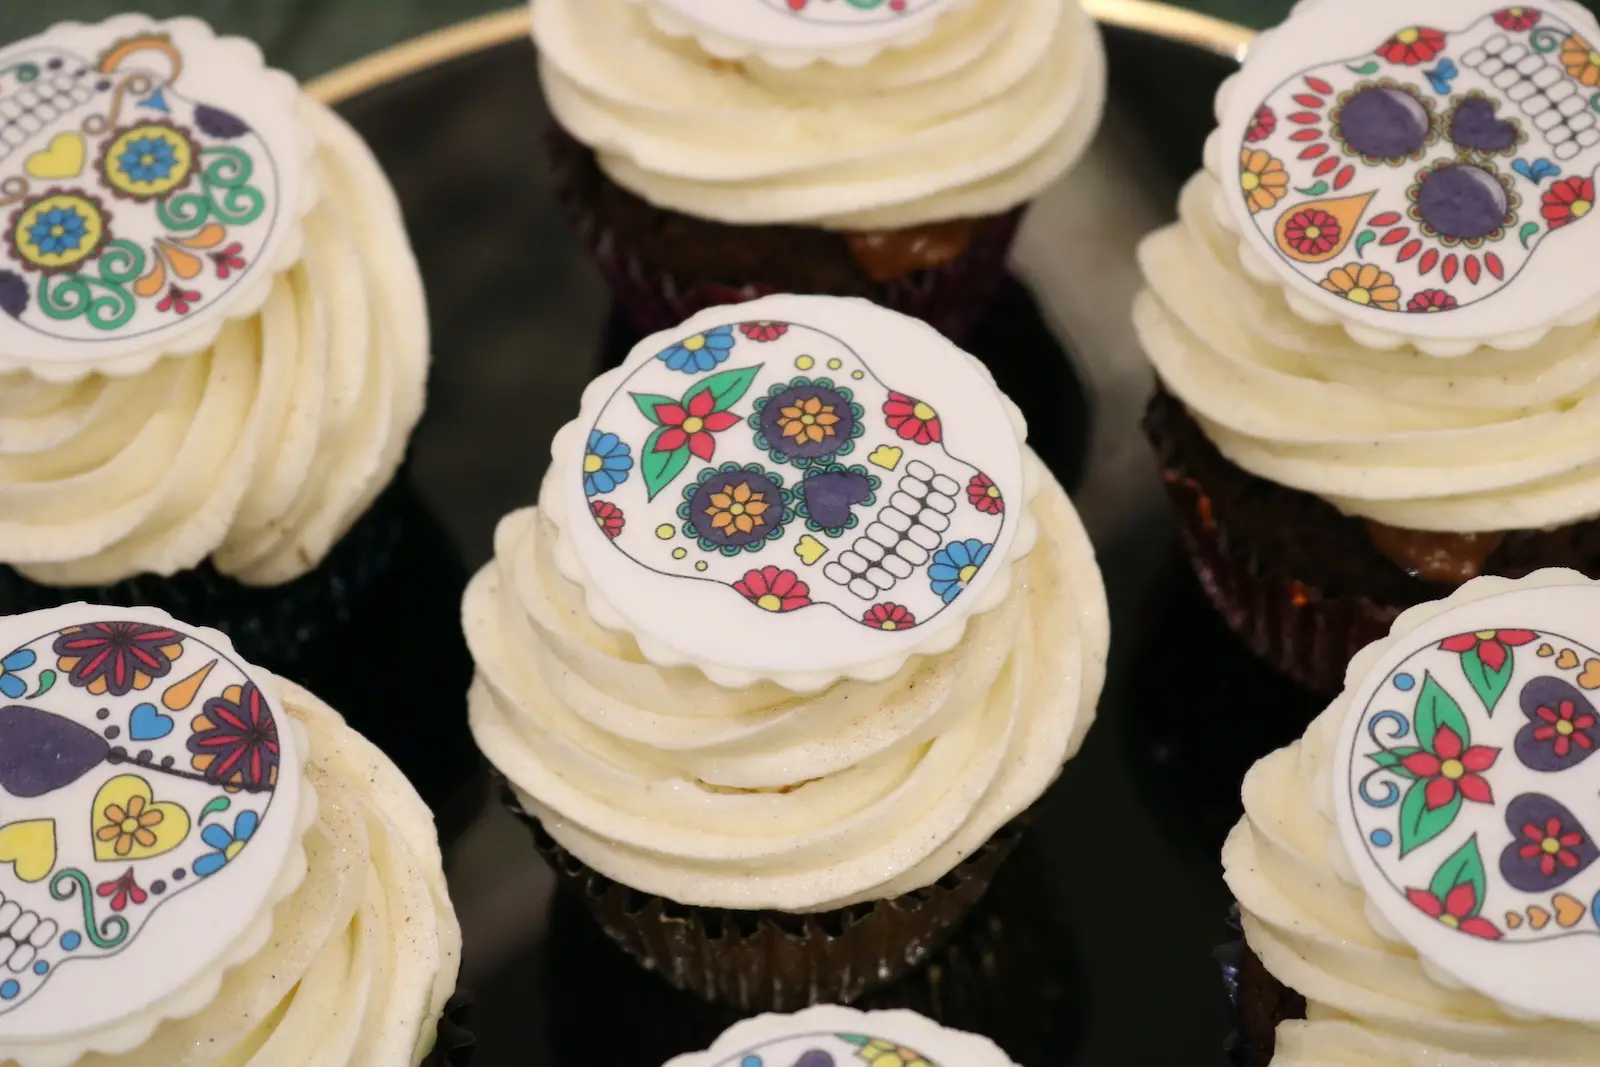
1095, 946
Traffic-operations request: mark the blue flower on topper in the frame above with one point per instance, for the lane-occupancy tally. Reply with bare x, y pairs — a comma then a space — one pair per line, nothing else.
700, 353
955, 566
149, 159
227, 845
61, 229
10, 684
606, 463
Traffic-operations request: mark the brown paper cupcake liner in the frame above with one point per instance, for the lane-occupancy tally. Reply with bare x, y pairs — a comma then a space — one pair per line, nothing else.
775, 961
454, 1045
1259, 1002
953, 298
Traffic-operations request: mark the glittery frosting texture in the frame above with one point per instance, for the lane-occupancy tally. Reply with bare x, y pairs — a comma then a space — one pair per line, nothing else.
952, 298
772, 961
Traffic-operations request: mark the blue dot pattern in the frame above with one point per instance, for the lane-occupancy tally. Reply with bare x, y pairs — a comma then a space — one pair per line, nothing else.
9, 990
1382, 838
1404, 682
750, 1061
71, 940
41, 967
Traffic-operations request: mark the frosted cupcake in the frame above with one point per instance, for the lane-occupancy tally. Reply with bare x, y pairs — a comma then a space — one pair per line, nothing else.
1417, 875
798, 629
833, 1036
202, 863
713, 151
214, 339
1373, 322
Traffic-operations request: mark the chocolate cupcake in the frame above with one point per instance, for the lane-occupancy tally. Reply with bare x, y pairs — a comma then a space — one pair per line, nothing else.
204, 864
1373, 344
214, 341
712, 152
798, 629
1416, 876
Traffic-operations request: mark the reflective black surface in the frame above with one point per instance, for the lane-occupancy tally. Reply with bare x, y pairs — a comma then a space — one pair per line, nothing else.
1095, 945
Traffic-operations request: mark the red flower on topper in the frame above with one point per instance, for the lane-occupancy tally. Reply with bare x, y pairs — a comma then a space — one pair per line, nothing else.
1313, 232
763, 331
1452, 768
1490, 645
889, 617
692, 423
228, 260
1552, 845
179, 300
984, 495
1458, 910
121, 890
1562, 727
1261, 125
1518, 19
1413, 45
771, 589
1567, 202
1432, 300
912, 419
608, 517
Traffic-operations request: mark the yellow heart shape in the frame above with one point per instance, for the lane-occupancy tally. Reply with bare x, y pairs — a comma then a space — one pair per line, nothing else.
63, 159
809, 549
1538, 917
1590, 678
130, 825
1567, 660
886, 456
30, 848
1568, 910
1546, 651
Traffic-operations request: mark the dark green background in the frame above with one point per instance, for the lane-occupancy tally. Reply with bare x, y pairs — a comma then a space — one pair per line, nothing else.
309, 37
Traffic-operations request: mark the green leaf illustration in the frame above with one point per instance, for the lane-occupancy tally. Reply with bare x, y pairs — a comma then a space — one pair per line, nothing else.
1420, 824
1436, 708
1365, 239
1528, 230
1489, 684
214, 805
648, 402
1366, 68
47, 678
1314, 190
727, 387
1463, 868
1390, 760
661, 467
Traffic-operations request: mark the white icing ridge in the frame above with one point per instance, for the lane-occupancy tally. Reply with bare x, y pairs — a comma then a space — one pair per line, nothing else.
351, 968
1482, 441
759, 797
832, 1027
259, 452
1372, 1002
993, 106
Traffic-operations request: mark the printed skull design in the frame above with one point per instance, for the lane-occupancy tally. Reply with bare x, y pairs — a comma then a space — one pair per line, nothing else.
1472, 792
1423, 175
848, 12
771, 458
137, 764
129, 204
825, 1049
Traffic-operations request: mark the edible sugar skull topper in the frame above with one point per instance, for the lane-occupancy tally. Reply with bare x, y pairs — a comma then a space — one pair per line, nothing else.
149, 801
151, 176
1424, 169
833, 1036
795, 32
1467, 784
795, 485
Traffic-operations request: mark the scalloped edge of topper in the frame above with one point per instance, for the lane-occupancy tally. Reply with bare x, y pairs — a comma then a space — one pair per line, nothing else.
198, 993
666, 656
941, 1043
1360, 670
1375, 338
240, 303
721, 46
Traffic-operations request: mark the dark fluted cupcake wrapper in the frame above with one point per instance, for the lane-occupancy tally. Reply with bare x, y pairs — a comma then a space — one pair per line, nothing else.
1290, 625
774, 961
455, 1042
1230, 958
952, 298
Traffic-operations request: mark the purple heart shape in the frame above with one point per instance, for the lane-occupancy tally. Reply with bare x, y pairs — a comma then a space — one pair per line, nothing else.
1555, 739
830, 496
814, 1058
223, 125
13, 294
41, 752
1549, 846
1475, 126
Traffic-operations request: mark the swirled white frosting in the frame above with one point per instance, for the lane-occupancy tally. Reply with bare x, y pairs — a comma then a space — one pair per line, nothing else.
980, 116
1484, 441
761, 797
1371, 1001
361, 956
259, 452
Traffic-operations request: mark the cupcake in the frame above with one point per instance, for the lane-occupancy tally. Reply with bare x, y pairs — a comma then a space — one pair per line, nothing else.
214, 340
200, 863
797, 631
1372, 325
834, 1036
1417, 875
713, 151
